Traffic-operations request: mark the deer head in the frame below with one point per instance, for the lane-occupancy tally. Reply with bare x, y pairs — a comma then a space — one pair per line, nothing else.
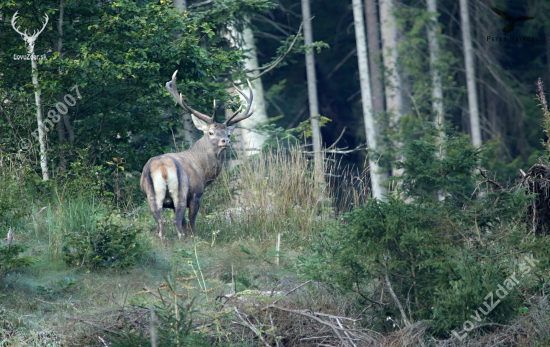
216, 133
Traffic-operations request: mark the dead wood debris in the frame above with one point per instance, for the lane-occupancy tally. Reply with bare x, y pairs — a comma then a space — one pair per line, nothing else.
537, 181
258, 321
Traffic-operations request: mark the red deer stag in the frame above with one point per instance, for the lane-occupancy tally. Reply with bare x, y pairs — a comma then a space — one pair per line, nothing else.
178, 180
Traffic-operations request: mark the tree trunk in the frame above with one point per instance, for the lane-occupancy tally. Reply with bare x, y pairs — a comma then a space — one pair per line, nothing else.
375, 73
312, 92
30, 41
251, 140
547, 32
470, 73
393, 87
378, 190
437, 89
64, 128
41, 127
190, 132
394, 98
181, 5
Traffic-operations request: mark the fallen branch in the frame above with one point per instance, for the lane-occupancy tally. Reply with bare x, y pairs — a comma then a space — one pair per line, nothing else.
338, 139
92, 324
495, 184
151, 291
309, 315
251, 327
397, 303
42, 209
344, 150
285, 294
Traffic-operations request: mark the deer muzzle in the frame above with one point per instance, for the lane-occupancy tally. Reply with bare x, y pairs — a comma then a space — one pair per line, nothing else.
225, 143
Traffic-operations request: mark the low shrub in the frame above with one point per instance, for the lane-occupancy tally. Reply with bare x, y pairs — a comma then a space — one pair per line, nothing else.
443, 251
109, 245
11, 259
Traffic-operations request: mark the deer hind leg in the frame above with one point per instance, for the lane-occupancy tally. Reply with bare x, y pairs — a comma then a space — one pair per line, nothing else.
178, 190
194, 204
179, 220
157, 200
156, 208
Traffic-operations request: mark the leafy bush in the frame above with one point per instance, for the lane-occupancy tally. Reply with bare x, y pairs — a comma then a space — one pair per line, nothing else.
442, 256
109, 245
10, 258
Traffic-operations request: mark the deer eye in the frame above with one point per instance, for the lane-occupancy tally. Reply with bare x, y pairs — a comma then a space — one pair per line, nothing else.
211, 132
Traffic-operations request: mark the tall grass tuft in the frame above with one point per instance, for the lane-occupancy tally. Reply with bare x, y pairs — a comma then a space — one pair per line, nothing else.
79, 214
275, 192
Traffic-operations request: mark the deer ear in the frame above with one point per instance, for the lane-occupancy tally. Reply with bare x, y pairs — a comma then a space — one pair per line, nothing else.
199, 123
231, 128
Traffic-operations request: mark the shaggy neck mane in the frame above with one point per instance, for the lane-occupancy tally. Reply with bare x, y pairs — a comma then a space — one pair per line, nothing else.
211, 163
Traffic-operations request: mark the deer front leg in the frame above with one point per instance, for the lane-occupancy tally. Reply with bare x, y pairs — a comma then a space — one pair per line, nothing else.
194, 205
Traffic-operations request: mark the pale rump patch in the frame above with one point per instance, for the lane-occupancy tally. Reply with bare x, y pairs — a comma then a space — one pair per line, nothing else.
159, 184
173, 185
163, 172
165, 177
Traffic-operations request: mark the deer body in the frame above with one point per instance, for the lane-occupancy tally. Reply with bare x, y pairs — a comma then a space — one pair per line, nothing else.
178, 180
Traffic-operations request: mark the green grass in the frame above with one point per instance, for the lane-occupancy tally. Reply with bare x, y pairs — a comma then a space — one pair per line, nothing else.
39, 298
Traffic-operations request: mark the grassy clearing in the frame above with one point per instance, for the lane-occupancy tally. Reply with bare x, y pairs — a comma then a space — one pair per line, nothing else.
272, 193
216, 289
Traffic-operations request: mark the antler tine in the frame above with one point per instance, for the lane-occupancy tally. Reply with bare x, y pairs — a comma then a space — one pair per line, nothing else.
173, 90
214, 112
13, 20
45, 23
247, 112
228, 120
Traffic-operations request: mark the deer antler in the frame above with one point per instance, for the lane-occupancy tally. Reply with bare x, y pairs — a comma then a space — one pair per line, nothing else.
29, 39
230, 121
173, 89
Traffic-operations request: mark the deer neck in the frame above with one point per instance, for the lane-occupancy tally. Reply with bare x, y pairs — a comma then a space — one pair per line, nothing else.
208, 159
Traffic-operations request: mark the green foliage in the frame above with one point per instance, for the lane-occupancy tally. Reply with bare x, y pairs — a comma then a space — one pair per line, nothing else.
541, 96
173, 324
472, 277
118, 68
430, 168
433, 251
277, 136
11, 204
108, 245
16, 183
11, 259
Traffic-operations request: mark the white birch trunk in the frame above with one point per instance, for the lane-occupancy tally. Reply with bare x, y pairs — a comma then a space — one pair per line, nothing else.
30, 42
366, 99
437, 88
181, 5
394, 99
393, 87
312, 92
41, 128
470, 73
251, 140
